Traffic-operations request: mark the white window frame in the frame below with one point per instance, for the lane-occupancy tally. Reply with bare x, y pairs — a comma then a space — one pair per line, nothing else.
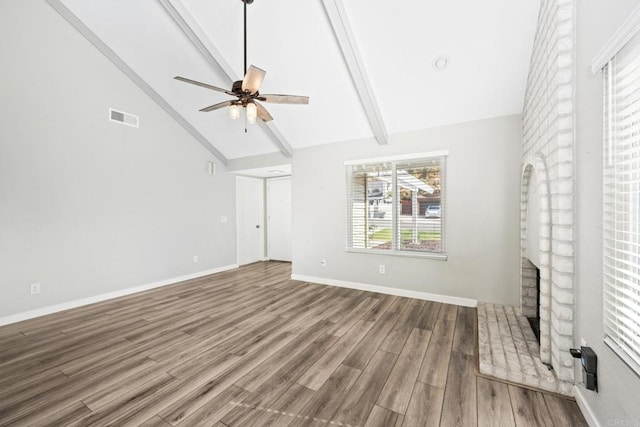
621, 207
398, 252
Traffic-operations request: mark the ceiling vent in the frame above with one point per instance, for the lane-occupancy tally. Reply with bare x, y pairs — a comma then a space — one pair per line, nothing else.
123, 118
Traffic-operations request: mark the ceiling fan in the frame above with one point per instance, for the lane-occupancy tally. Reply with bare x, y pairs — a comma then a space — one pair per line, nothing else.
247, 90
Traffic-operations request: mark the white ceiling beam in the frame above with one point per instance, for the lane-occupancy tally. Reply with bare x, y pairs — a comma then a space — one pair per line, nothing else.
342, 29
59, 7
199, 39
212, 55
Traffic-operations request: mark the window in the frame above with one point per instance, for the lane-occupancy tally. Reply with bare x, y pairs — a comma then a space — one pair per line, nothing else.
621, 216
397, 205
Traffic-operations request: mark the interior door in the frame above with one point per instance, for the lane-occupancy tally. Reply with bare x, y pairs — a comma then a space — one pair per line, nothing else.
250, 219
279, 218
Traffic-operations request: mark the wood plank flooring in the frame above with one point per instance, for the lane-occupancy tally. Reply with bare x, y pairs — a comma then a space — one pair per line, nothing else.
250, 347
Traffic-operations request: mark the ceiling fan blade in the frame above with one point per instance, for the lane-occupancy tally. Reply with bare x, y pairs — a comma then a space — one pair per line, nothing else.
263, 114
285, 99
217, 106
197, 83
253, 79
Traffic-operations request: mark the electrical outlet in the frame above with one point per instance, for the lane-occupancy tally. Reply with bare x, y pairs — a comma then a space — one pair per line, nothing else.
35, 288
195, 259
381, 269
223, 219
323, 262
583, 342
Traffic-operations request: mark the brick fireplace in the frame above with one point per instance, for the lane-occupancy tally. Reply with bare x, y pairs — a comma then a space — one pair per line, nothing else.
507, 346
548, 163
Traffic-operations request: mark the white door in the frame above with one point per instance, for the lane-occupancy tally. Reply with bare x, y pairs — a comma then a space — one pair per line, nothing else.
250, 219
279, 218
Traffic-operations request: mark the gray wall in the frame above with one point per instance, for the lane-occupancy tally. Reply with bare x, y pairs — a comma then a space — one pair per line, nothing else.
483, 202
619, 387
88, 206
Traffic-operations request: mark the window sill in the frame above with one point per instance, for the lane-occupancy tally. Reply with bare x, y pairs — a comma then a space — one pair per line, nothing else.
406, 254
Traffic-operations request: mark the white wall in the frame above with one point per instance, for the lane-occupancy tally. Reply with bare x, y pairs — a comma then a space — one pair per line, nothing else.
482, 213
253, 162
533, 221
619, 388
88, 206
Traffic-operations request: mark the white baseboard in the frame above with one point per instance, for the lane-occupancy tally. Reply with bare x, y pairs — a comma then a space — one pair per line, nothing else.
466, 302
13, 318
587, 412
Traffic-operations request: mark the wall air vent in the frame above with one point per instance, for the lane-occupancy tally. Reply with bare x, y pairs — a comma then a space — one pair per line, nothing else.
123, 118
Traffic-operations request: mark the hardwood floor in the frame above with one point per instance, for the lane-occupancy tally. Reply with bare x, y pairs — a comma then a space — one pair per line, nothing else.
250, 347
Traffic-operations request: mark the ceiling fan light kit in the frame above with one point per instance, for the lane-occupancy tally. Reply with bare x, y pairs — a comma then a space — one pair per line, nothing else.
247, 90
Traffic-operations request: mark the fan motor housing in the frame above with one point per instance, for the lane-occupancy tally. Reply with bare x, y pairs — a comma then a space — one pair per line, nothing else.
237, 87
243, 96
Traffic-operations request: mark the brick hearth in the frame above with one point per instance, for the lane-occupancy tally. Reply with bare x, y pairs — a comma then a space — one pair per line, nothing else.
508, 350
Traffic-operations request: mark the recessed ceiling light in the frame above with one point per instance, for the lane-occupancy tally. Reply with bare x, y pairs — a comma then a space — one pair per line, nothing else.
440, 63
276, 171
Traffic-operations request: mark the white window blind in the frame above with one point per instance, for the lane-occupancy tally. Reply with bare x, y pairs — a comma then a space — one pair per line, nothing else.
621, 220
397, 205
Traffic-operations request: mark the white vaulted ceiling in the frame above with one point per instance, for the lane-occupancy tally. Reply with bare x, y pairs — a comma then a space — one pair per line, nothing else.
383, 82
